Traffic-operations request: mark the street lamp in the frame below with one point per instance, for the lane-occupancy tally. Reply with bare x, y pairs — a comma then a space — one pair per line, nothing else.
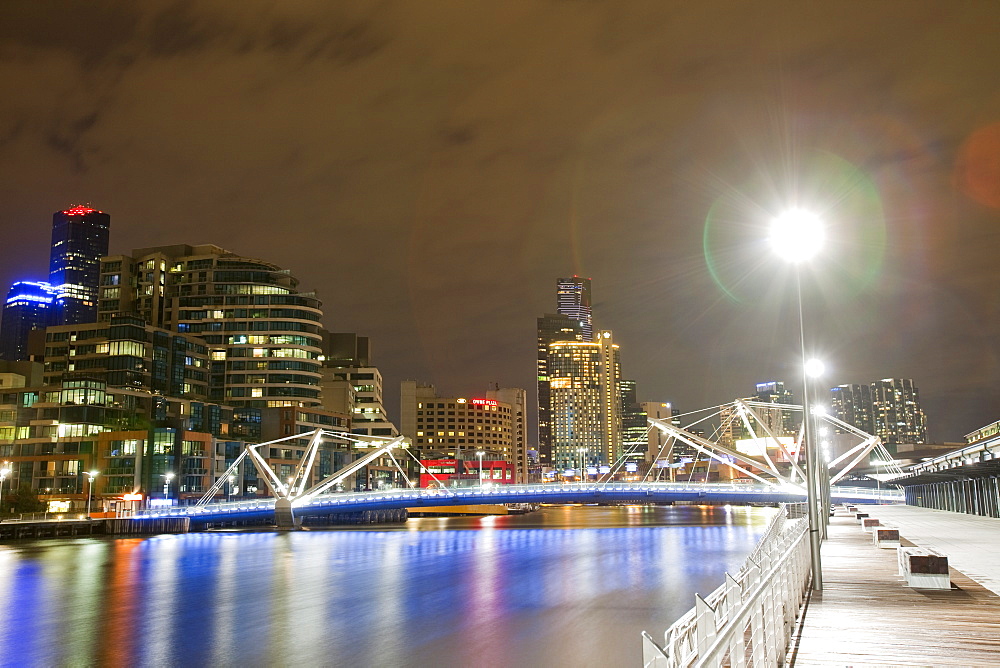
167, 477
90, 489
797, 235
480, 453
232, 479
4, 472
583, 462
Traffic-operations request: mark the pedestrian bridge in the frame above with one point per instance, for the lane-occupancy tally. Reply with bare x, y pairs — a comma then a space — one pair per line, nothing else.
555, 493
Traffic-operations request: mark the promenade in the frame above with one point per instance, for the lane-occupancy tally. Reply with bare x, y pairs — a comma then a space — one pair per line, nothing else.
866, 615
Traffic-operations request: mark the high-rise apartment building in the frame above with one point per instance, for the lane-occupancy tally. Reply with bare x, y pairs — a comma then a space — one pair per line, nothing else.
29, 306
585, 401
888, 408
262, 334
896, 412
573, 299
852, 403
79, 241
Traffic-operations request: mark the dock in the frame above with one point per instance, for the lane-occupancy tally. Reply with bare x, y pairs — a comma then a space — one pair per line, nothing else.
866, 614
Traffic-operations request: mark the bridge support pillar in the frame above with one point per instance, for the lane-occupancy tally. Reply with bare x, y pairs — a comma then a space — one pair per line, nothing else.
284, 518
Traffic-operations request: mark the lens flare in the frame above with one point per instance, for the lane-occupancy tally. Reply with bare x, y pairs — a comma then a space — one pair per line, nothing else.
829, 204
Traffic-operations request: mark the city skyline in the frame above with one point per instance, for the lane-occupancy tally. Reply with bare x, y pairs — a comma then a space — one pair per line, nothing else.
430, 189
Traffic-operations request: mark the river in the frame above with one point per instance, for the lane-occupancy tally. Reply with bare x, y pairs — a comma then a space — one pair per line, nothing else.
564, 586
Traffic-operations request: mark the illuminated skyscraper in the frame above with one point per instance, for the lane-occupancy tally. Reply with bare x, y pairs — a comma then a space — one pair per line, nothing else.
552, 327
29, 306
573, 300
585, 401
79, 241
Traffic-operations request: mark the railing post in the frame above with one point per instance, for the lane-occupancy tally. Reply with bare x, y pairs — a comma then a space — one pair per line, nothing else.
705, 624
734, 599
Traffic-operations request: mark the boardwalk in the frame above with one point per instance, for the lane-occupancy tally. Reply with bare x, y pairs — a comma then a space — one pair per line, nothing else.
867, 616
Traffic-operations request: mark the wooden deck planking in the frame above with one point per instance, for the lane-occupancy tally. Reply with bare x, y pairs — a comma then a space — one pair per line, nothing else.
866, 615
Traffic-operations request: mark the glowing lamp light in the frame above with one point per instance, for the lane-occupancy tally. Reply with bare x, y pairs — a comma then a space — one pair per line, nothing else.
814, 368
797, 235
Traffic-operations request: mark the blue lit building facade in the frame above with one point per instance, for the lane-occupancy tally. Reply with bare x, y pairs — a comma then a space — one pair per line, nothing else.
29, 306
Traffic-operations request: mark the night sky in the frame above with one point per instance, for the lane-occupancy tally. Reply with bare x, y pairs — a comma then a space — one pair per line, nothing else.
431, 167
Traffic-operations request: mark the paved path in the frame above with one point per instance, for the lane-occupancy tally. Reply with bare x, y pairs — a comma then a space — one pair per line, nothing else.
866, 615
971, 542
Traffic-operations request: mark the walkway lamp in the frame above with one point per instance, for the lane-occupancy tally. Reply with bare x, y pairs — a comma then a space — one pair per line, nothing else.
232, 480
480, 453
583, 463
90, 489
796, 236
167, 477
4, 472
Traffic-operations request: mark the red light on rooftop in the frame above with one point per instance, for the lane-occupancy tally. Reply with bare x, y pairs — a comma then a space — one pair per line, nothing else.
80, 210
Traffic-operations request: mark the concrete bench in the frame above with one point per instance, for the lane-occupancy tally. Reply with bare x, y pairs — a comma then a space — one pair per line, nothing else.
860, 516
885, 537
923, 568
869, 523
851, 509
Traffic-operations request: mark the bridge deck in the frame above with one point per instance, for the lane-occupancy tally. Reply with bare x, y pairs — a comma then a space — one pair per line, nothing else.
867, 615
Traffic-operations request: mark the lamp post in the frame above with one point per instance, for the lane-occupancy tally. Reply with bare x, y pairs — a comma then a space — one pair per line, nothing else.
4, 472
583, 462
480, 453
167, 477
232, 479
90, 489
797, 235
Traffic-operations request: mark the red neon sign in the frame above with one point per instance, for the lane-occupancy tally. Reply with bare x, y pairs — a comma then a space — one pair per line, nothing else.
484, 402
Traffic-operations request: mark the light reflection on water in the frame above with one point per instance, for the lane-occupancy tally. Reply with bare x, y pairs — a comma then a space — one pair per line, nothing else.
566, 585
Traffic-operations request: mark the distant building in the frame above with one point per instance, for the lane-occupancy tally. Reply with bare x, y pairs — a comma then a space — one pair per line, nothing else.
574, 300
458, 427
852, 404
262, 334
552, 328
657, 447
79, 241
888, 408
30, 306
896, 412
634, 424
584, 381
465, 472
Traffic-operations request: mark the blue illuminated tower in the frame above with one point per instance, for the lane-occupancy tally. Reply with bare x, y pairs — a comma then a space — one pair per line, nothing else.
79, 241
30, 305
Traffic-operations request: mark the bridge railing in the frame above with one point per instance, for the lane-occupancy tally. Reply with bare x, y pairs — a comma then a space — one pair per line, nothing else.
501, 493
749, 619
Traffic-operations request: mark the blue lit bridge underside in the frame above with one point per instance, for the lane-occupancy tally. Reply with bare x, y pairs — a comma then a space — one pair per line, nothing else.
585, 493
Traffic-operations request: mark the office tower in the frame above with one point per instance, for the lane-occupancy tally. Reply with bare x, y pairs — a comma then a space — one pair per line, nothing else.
852, 404
896, 412
634, 423
262, 334
585, 401
658, 447
573, 300
458, 427
29, 306
551, 329
79, 241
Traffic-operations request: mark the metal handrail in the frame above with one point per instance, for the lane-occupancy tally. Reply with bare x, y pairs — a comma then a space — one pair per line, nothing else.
749, 617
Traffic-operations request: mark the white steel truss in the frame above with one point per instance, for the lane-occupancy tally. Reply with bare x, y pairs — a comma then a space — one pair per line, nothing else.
763, 468
294, 489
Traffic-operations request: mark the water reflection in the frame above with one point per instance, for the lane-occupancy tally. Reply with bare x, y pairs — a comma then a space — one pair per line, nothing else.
571, 585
